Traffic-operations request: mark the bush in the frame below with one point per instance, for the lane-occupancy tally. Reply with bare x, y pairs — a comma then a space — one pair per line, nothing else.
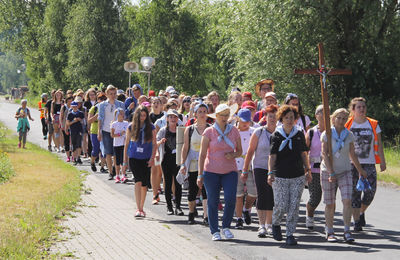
6, 169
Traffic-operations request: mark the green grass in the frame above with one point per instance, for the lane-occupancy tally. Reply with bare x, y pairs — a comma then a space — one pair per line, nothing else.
392, 157
43, 191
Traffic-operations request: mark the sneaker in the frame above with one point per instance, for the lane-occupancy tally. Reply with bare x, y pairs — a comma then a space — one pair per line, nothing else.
362, 220
269, 230
93, 166
19, 145
75, 162
142, 214
117, 180
310, 223
216, 236
55, 149
347, 237
247, 217
277, 232
49, 148
262, 232
205, 221
191, 219
291, 241
124, 179
331, 238
227, 233
357, 226
170, 211
63, 150
179, 212
239, 224
102, 170
68, 159
79, 160
45, 137
137, 215
110, 177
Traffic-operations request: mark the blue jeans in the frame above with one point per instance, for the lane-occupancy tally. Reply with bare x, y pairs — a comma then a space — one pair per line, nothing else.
95, 145
213, 183
108, 143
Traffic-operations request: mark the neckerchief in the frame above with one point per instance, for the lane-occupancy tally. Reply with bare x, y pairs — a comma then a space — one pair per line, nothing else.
288, 139
224, 135
339, 139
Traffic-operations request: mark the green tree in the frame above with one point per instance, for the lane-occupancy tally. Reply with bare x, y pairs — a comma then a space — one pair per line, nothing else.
96, 44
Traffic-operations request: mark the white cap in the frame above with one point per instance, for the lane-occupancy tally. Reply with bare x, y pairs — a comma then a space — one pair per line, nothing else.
170, 89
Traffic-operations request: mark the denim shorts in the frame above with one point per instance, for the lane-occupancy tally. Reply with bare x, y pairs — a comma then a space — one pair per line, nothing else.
107, 142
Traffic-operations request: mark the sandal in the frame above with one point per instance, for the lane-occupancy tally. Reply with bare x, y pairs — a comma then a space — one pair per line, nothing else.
137, 214
331, 237
347, 237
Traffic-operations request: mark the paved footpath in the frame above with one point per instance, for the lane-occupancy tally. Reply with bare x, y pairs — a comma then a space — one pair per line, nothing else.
104, 227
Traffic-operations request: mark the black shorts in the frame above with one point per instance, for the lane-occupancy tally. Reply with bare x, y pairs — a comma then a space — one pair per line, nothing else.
76, 140
119, 154
140, 170
265, 195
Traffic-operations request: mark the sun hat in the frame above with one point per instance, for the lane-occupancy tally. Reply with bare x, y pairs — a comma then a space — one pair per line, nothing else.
245, 115
264, 81
172, 112
222, 107
249, 105
78, 99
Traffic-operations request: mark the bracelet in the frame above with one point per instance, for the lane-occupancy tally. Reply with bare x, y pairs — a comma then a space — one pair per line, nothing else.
200, 176
271, 172
245, 173
182, 165
332, 174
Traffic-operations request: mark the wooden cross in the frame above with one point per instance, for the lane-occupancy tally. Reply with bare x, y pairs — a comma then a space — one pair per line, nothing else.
323, 72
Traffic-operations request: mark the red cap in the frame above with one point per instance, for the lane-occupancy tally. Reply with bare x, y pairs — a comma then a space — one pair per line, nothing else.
249, 104
247, 94
152, 93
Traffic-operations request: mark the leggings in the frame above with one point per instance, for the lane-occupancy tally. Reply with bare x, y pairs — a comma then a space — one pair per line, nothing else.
44, 126
90, 147
287, 195
66, 141
314, 189
367, 196
265, 195
170, 170
193, 188
22, 137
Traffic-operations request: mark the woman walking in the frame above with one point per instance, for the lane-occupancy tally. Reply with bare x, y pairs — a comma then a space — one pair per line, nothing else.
166, 138
288, 165
22, 115
369, 150
220, 145
55, 116
140, 148
337, 173
190, 155
258, 152
42, 104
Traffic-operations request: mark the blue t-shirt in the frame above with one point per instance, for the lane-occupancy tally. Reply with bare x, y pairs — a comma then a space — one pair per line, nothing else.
138, 149
77, 126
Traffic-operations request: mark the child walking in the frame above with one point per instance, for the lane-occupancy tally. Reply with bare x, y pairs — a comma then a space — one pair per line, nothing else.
23, 127
74, 119
118, 132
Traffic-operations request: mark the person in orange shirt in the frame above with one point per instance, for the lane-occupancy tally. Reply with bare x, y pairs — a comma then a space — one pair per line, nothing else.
42, 104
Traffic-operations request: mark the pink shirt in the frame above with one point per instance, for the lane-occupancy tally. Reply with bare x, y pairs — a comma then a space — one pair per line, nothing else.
215, 161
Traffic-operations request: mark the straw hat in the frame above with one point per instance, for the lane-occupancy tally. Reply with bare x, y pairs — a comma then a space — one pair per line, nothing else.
222, 107
264, 81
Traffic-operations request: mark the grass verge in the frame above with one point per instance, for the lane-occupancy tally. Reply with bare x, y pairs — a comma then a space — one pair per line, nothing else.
392, 173
43, 189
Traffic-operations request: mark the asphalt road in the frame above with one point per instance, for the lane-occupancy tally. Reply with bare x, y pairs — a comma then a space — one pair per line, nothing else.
379, 240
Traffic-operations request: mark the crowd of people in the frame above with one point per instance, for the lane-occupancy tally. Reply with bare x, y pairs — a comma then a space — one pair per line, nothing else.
258, 152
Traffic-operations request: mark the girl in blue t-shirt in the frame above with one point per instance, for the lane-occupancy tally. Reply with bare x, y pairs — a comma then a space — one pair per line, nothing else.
140, 148
23, 127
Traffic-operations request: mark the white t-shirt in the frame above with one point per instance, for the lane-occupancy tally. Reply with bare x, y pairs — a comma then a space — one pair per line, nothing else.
364, 141
245, 139
119, 127
108, 117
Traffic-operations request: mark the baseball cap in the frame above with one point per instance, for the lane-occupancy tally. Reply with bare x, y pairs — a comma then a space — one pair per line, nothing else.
172, 112
247, 94
249, 105
152, 93
170, 89
270, 94
74, 104
245, 115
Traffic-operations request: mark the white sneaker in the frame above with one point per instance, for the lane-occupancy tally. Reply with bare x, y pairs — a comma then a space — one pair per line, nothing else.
227, 233
216, 236
310, 223
262, 232
269, 230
